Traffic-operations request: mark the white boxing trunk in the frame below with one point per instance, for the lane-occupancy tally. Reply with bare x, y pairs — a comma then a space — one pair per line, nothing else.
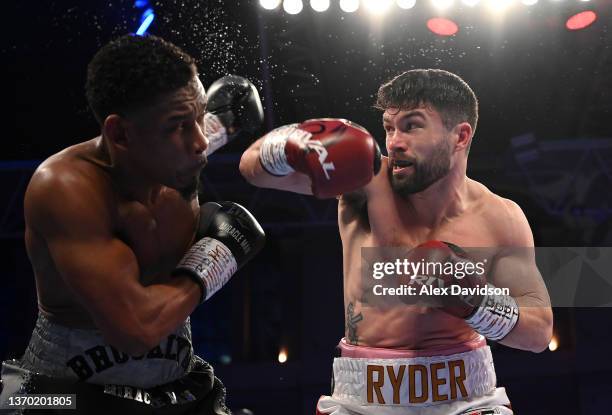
450, 380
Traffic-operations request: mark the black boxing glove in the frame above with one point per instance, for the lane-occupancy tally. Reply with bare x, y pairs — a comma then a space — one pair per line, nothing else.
233, 106
228, 237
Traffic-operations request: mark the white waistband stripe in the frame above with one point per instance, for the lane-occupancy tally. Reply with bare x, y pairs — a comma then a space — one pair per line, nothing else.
420, 381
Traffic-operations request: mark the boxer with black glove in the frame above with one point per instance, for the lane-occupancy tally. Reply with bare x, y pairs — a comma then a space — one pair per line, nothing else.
108, 221
228, 236
233, 106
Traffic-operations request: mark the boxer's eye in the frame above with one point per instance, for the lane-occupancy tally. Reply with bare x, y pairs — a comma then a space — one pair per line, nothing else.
175, 128
408, 126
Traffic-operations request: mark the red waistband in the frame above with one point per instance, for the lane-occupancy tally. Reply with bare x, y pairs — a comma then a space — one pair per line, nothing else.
349, 350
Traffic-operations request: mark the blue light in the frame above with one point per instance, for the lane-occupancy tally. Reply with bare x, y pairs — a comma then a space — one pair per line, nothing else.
139, 4
146, 19
146, 14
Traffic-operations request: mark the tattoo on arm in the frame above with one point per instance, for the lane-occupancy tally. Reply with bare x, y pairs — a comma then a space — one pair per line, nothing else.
351, 323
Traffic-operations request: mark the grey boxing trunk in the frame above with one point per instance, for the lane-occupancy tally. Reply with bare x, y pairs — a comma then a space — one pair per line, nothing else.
169, 379
82, 354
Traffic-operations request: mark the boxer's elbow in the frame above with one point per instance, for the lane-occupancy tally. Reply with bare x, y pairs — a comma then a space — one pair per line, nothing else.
533, 331
543, 332
248, 166
539, 345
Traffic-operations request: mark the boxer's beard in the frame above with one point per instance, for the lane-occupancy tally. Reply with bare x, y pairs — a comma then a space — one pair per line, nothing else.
425, 173
191, 190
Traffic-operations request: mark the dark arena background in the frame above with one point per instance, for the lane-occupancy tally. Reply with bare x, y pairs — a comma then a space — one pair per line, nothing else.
544, 139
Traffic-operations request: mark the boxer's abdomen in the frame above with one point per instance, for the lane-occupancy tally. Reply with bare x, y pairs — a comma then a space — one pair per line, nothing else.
408, 327
397, 325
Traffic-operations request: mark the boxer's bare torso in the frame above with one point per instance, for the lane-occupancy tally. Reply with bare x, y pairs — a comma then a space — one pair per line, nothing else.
386, 220
158, 231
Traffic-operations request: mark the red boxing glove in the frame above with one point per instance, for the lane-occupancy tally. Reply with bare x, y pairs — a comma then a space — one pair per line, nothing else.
439, 264
336, 154
465, 292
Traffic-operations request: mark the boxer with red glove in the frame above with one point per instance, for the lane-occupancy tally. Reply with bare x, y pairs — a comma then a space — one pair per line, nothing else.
493, 316
429, 118
337, 155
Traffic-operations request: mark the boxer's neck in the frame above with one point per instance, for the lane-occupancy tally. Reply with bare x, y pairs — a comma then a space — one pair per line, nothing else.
443, 200
128, 181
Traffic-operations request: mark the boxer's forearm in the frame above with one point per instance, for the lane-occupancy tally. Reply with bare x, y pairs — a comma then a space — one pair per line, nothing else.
533, 330
156, 311
252, 170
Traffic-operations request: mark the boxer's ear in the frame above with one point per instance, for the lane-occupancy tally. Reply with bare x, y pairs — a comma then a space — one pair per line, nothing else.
464, 135
114, 129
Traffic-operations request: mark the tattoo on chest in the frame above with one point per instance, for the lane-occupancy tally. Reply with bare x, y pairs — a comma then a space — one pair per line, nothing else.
351, 323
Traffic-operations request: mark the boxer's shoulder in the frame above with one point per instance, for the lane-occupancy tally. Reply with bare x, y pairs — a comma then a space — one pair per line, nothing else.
378, 187
75, 165
380, 182
503, 216
481, 199
352, 212
68, 184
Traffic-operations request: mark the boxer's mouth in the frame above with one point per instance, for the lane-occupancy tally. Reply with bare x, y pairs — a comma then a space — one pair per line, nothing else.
193, 170
402, 166
199, 166
402, 163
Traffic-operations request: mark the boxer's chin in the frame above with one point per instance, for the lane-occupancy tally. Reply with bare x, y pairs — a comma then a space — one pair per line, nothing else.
420, 175
189, 187
405, 184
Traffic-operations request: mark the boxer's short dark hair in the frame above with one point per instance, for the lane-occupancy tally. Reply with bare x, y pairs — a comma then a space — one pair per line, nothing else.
446, 92
132, 71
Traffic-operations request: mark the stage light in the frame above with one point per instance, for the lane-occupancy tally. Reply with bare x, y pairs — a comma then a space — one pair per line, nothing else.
442, 27
554, 344
406, 4
499, 6
529, 2
581, 20
146, 19
282, 356
293, 6
349, 6
269, 4
319, 5
442, 4
470, 3
377, 6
